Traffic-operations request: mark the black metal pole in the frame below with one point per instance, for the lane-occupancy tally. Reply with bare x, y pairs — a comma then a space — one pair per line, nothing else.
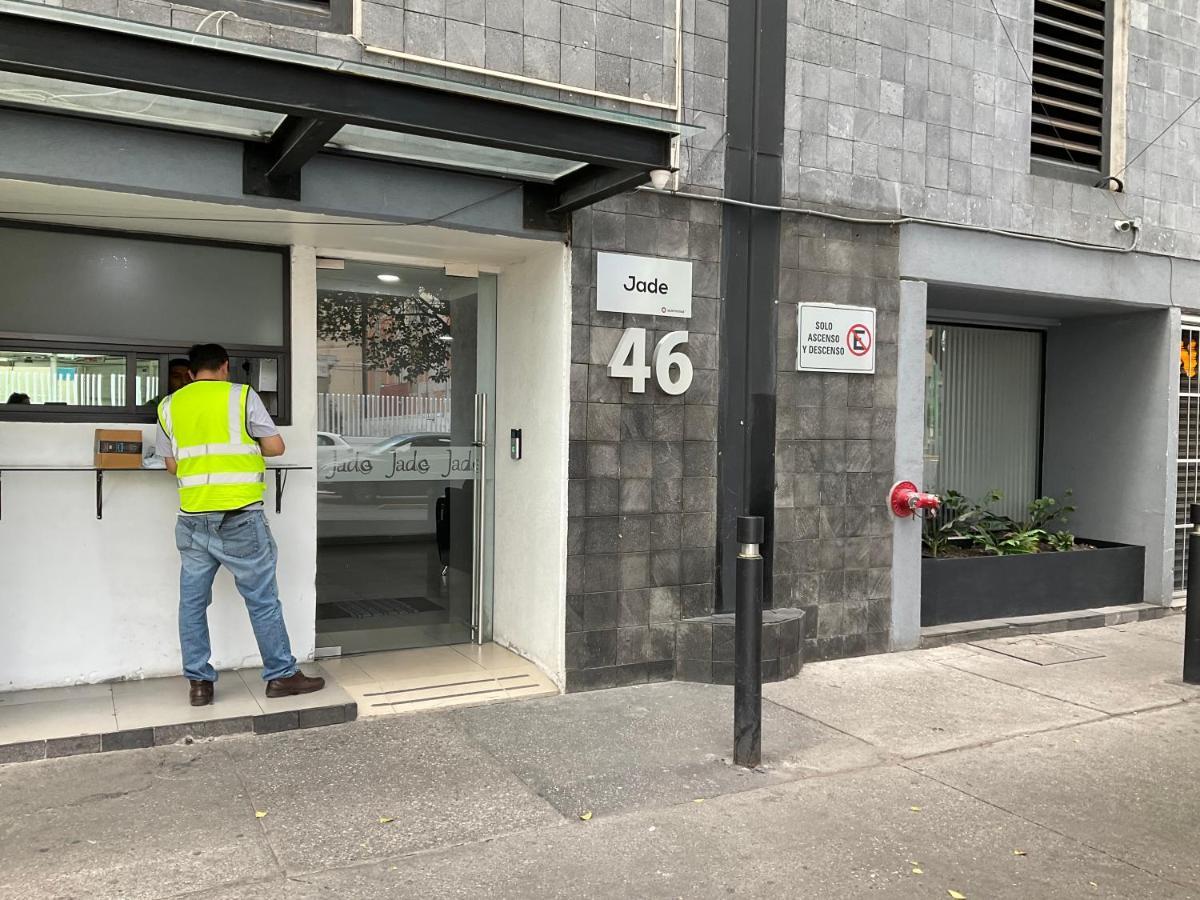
747, 666
1191, 632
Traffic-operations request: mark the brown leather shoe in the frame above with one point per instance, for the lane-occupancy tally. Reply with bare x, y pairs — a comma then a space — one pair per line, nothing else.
297, 683
201, 693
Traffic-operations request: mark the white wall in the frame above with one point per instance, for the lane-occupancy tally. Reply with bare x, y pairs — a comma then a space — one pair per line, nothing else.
910, 463
532, 393
83, 600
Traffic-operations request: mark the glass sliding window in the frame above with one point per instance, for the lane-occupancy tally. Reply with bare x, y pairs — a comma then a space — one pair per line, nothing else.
63, 379
983, 413
146, 383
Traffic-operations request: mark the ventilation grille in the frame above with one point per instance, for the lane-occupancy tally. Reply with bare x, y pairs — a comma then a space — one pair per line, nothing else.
1068, 82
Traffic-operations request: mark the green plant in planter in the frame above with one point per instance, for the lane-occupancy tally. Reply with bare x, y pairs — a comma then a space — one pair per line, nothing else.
1004, 536
961, 521
954, 521
1062, 541
1040, 514
1009, 543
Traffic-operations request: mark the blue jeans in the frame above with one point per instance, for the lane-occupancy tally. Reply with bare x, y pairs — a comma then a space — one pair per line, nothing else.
242, 543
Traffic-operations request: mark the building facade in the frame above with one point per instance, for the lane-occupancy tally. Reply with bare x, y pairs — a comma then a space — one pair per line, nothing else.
1003, 186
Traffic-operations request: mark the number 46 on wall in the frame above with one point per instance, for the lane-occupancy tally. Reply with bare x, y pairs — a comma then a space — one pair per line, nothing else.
629, 361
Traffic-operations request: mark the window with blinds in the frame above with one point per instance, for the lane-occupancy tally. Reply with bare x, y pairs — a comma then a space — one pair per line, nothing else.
983, 413
1070, 62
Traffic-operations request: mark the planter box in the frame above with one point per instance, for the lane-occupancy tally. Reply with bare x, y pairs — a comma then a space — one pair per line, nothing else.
993, 587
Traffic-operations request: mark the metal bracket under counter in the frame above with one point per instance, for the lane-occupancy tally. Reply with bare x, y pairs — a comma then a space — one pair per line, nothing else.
280, 480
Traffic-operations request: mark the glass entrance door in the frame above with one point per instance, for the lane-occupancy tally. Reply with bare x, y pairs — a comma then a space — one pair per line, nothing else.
406, 373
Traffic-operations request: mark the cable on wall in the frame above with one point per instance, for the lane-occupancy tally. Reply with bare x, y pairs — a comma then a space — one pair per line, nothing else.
1133, 228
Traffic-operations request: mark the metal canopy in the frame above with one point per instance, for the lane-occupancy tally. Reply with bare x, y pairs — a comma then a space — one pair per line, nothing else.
318, 96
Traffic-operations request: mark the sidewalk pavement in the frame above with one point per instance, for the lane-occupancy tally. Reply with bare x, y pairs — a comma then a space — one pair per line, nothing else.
1040, 766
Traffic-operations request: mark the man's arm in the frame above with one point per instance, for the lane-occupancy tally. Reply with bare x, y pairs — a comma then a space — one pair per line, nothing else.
261, 427
162, 447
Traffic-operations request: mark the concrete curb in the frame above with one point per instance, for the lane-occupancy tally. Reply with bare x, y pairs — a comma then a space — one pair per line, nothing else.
163, 735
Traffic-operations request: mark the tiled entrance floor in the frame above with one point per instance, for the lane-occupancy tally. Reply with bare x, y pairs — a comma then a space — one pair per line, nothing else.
123, 715
458, 675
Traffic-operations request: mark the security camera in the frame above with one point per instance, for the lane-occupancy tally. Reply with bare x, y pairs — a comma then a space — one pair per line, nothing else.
1127, 225
659, 178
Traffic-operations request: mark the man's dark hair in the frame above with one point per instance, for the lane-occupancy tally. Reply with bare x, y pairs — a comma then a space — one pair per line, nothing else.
179, 361
18, 398
206, 358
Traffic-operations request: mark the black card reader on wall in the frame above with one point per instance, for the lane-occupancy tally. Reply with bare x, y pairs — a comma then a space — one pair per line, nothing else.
514, 443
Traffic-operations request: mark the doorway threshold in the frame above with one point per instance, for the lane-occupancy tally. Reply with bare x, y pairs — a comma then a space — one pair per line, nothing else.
399, 681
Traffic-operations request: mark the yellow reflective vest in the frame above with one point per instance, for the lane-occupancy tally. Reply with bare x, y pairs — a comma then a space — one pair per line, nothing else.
219, 466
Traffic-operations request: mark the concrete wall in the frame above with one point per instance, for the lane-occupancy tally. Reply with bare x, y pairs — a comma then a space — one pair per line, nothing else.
910, 463
1111, 417
84, 600
532, 375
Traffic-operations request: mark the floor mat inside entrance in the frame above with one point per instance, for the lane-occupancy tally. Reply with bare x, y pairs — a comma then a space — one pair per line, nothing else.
367, 609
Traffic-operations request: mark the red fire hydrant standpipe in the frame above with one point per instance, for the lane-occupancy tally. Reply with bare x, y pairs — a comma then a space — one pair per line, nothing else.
906, 501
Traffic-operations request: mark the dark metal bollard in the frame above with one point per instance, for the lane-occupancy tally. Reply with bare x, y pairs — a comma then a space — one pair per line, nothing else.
1191, 633
747, 665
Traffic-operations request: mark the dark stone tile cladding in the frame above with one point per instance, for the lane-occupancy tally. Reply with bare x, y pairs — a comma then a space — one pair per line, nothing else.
835, 443
705, 650
643, 486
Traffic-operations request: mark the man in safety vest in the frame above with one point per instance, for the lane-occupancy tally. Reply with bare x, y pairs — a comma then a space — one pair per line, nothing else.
213, 436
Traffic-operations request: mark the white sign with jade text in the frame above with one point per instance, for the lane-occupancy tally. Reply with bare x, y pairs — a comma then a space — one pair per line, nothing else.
835, 338
643, 285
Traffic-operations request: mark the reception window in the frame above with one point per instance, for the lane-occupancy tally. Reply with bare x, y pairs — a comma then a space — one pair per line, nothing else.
92, 320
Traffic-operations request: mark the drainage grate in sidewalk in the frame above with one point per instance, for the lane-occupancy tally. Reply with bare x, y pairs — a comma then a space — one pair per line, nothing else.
1039, 651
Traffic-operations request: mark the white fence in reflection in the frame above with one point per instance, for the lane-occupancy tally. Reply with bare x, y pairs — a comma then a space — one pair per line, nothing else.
75, 388
358, 415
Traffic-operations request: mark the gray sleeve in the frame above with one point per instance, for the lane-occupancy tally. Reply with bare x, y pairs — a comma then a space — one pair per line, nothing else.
162, 443
258, 421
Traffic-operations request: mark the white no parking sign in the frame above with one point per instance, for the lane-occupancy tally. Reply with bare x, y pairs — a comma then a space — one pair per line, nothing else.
835, 338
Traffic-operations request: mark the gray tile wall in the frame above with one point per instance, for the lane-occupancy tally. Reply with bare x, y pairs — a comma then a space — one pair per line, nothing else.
625, 48
835, 444
920, 107
643, 488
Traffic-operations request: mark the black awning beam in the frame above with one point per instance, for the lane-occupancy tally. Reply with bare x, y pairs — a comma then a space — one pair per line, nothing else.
273, 169
591, 185
101, 56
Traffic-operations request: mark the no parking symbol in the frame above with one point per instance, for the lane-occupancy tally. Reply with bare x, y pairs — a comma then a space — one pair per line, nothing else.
858, 340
